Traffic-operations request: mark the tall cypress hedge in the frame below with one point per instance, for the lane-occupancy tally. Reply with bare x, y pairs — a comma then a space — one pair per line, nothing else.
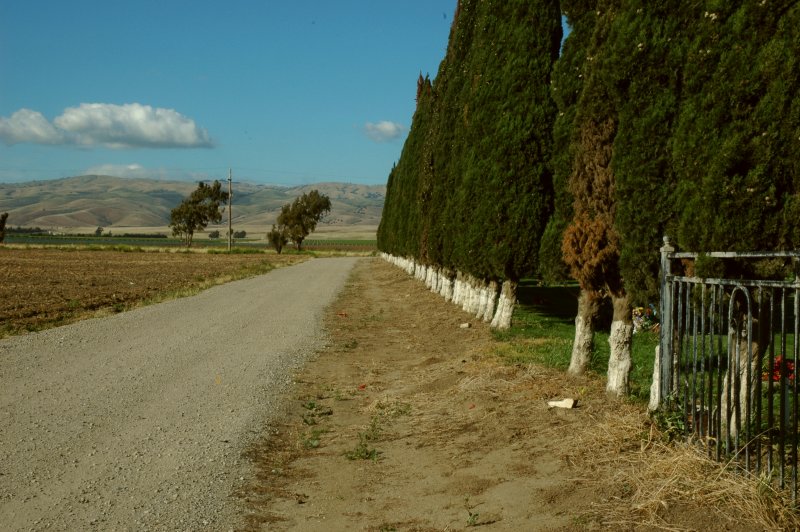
401, 222
473, 182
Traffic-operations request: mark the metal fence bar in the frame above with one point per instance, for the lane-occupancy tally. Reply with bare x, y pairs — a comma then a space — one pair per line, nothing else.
694, 371
770, 389
748, 394
796, 344
782, 392
701, 393
711, 431
757, 377
685, 358
719, 373
734, 282
735, 254
665, 306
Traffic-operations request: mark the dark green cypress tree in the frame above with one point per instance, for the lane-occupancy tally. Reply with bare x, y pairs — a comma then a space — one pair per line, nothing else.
737, 135
387, 227
453, 100
649, 44
566, 88
506, 186
401, 223
779, 63
442, 146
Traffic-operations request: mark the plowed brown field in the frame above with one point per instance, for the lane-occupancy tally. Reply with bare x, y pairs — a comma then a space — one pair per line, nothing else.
46, 287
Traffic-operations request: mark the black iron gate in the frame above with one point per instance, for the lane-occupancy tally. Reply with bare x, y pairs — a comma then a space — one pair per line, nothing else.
727, 357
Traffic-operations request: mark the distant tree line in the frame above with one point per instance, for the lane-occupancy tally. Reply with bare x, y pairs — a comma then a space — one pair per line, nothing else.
527, 158
236, 234
20, 230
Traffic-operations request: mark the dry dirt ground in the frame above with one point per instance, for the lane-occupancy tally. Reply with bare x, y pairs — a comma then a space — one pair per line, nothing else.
46, 287
409, 421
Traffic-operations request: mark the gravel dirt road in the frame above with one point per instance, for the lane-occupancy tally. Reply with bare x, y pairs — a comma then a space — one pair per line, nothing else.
138, 421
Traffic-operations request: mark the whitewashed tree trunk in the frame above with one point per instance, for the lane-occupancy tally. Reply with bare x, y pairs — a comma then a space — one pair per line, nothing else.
480, 300
410, 266
440, 279
474, 296
467, 298
429, 276
588, 309
491, 301
505, 306
447, 286
421, 272
655, 387
619, 361
458, 288
480, 308
466, 292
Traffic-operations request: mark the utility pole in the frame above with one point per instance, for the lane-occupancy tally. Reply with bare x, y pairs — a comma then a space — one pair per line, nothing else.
230, 208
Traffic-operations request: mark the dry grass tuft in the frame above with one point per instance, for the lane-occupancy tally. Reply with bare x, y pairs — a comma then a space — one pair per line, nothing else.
659, 482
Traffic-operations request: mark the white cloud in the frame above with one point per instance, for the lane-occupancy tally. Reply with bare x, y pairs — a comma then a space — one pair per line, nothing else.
113, 126
120, 170
29, 126
384, 130
136, 170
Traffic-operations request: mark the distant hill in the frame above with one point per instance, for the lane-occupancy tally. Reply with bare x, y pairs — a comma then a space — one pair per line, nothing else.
106, 201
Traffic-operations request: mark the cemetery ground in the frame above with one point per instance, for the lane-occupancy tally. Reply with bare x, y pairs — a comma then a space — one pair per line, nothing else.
409, 420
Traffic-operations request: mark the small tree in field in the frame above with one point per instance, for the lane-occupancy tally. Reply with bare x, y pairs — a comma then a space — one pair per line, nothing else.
194, 213
299, 218
3, 218
278, 237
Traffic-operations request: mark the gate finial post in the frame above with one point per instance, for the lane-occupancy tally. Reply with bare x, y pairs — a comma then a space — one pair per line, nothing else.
665, 334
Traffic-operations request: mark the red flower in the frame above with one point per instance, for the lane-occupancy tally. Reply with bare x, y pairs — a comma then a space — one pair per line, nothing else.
788, 365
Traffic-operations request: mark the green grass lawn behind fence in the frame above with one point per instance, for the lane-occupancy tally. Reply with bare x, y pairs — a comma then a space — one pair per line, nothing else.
543, 331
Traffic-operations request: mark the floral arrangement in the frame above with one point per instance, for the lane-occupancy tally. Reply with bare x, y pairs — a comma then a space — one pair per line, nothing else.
645, 318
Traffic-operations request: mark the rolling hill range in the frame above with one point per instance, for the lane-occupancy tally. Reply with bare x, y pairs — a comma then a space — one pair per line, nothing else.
114, 202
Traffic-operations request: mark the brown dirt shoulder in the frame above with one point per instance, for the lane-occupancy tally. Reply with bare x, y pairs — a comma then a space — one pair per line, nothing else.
407, 421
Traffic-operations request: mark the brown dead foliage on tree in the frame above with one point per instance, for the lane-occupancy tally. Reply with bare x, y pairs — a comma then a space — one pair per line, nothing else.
591, 244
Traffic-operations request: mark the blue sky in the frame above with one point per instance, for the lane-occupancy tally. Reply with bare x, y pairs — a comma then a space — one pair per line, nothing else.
283, 92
